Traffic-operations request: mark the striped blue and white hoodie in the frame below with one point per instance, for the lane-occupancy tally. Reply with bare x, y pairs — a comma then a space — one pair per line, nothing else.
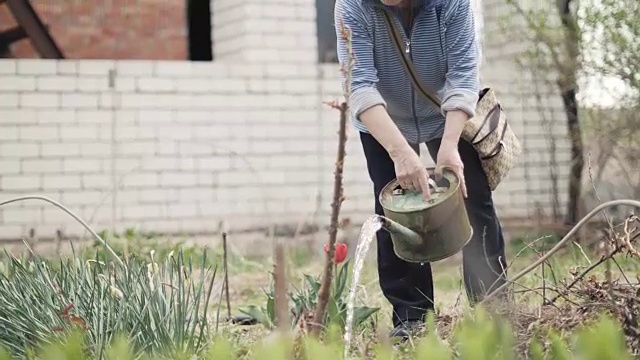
443, 47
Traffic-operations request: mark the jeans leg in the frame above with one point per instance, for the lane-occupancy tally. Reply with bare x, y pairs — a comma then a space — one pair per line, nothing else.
484, 263
407, 286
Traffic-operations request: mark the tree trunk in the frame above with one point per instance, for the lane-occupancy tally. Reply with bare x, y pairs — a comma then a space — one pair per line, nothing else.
577, 156
568, 89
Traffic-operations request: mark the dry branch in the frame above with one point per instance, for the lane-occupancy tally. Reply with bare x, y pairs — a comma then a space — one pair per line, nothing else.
338, 197
561, 243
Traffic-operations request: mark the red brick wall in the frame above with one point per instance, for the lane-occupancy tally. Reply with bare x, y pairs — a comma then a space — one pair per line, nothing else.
109, 29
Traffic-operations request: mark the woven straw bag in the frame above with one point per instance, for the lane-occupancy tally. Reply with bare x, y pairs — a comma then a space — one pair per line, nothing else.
488, 131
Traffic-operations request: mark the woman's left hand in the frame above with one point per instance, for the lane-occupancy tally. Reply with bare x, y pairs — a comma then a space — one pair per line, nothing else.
449, 157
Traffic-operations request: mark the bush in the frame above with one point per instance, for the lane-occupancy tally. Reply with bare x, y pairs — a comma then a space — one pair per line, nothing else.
160, 308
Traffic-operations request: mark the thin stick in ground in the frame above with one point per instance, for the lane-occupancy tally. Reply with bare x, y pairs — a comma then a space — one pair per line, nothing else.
226, 273
280, 284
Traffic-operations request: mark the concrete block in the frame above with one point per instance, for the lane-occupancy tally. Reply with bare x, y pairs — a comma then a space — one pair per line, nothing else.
57, 83
14, 116
84, 133
95, 181
135, 212
56, 116
36, 166
173, 68
141, 180
38, 100
36, 67
134, 68
67, 67
125, 84
137, 148
22, 216
156, 116
21, 182
95, 67
92, 83
38, 133
8, 133
17, 83
57, 149
154, 84
178, 179
8, 100
8, 66
10, 166
61, 182
81, 165
19, 150
77, 100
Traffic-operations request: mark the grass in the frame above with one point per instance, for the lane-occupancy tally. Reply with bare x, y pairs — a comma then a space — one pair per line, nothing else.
186, 313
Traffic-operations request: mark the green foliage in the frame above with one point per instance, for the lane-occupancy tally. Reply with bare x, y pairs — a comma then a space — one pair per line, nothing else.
614, 30
604, 340
161, 308
304, 299
496, 342
476, 337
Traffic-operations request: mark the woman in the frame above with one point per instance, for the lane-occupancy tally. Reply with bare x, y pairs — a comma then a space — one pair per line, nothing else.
393, 120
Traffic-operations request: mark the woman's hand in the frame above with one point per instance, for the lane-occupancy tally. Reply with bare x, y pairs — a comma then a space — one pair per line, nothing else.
410, 171
449, 157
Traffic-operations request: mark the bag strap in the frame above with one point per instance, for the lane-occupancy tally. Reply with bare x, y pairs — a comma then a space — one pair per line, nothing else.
407, 64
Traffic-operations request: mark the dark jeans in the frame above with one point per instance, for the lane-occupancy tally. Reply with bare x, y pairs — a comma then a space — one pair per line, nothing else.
409, 286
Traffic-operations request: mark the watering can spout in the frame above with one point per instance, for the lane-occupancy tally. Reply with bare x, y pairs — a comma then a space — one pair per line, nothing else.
411, 237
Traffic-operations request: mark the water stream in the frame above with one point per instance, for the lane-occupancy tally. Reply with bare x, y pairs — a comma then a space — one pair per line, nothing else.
367, 234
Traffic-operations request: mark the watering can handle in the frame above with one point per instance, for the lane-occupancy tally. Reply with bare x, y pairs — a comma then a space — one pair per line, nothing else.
433, 184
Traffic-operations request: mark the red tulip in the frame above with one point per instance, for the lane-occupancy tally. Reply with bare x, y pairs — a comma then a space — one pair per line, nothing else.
340, 253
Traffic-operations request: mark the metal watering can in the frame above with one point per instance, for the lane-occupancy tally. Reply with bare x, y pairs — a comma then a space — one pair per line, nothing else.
426, 231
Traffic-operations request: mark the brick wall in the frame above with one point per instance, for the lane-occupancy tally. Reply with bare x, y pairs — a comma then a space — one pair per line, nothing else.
189, 144
116, 29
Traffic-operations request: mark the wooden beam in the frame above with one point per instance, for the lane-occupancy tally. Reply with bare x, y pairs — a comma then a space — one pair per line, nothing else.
27, 18
12, 35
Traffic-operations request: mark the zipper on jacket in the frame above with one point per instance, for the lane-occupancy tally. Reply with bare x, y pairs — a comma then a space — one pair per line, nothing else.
413, 94
407, 51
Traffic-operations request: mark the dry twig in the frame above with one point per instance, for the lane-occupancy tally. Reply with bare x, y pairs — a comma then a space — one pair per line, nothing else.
338, 196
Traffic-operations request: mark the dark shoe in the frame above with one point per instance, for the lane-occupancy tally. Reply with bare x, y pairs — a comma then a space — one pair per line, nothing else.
407, 329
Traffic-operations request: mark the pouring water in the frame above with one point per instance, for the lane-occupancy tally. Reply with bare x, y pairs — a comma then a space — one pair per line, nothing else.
367, 233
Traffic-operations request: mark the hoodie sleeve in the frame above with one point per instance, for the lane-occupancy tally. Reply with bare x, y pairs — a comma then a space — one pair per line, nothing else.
462, 78
363, 92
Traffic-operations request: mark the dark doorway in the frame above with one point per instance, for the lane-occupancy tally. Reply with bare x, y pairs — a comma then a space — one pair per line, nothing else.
327, 41
199, 20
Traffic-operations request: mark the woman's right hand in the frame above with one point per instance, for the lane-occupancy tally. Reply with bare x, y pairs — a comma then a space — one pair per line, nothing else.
410, 171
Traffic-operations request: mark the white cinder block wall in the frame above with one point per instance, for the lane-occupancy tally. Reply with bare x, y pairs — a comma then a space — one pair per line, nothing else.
177, 147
